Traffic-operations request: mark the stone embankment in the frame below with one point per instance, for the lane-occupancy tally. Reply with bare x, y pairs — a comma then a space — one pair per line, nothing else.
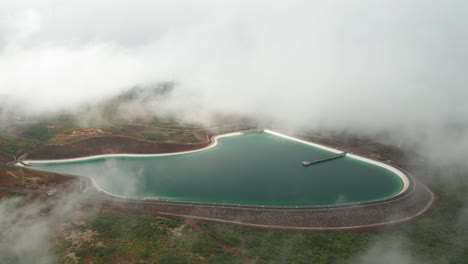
359, 217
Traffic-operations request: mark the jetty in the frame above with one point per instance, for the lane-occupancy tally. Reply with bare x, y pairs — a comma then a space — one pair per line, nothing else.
308, 163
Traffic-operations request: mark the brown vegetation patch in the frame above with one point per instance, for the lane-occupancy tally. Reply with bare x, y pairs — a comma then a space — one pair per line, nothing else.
7, 178
32, 180
177, 231
77, 237
4, 195
4, 158
108, 145
81, 133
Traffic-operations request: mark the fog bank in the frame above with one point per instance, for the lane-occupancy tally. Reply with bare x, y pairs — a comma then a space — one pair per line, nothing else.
362, 67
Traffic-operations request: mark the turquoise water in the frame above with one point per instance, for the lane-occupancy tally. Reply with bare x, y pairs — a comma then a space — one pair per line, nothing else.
253, 169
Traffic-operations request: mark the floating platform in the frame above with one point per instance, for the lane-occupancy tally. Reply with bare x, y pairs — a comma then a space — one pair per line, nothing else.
308, 163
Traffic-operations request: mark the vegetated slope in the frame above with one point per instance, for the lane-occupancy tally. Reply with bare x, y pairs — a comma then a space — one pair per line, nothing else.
125, 238
23, 179
5, 158
108, 145
112, 237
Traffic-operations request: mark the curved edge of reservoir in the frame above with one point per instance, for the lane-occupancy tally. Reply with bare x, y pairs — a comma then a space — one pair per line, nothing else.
214, 143
404, 177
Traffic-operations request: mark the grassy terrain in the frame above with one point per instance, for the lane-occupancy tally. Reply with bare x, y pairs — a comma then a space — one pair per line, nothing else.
111, 237
292, 247
57, 130
13, 145
440, 237
28, 136
64, 128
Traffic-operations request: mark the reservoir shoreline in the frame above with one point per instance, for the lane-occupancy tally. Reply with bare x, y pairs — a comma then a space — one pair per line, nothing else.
213, 143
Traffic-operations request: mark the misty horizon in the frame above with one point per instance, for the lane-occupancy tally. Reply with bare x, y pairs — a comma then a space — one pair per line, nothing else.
393, 71
361, 67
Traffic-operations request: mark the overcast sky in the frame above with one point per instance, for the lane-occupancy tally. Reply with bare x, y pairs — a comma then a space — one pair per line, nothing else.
363, 65
367, 66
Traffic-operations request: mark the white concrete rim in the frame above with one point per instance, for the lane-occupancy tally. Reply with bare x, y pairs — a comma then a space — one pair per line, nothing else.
317, 228
214, 143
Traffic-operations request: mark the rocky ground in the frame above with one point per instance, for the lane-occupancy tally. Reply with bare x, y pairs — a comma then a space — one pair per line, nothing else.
28, 181
108, 145
4, 158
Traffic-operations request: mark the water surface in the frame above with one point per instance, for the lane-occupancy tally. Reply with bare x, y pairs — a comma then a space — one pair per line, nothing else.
253, 169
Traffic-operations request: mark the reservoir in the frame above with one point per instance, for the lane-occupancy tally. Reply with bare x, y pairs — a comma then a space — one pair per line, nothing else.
261, 169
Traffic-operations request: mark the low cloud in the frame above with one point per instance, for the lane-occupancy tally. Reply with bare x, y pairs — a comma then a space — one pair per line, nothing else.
394, 249
364, 67
392, 69
28, 229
